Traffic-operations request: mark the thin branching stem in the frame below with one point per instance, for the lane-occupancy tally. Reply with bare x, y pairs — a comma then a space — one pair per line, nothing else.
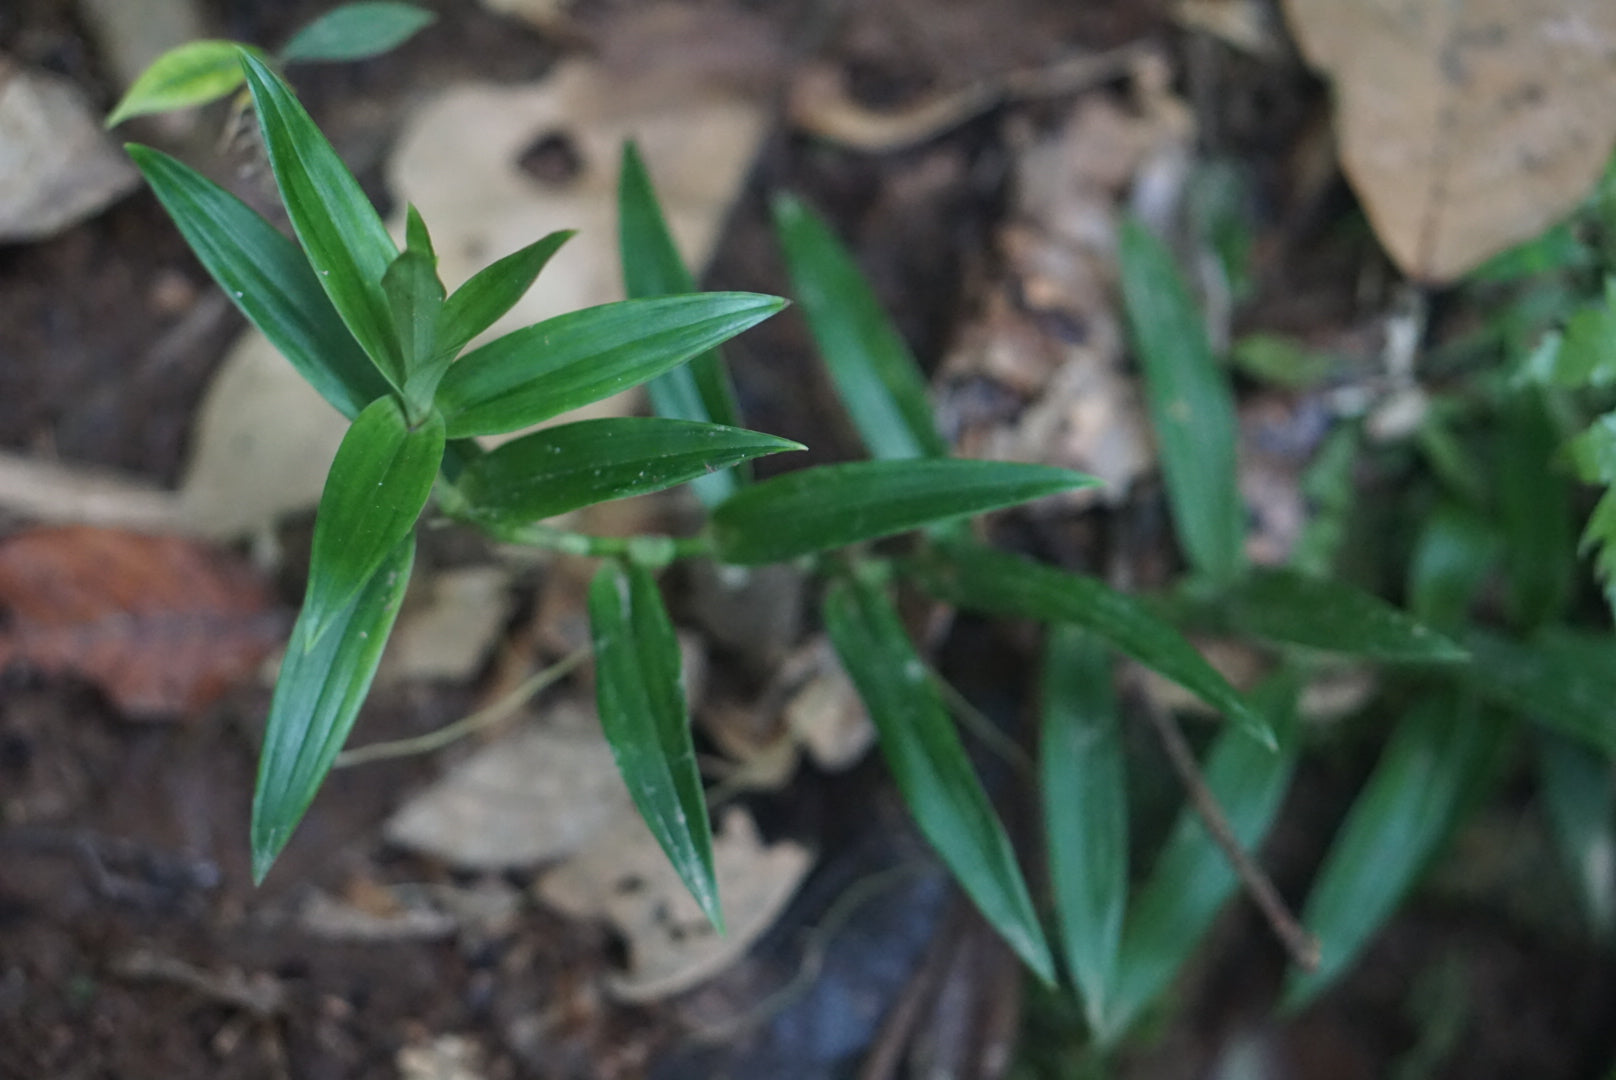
1302, 947
649, 551
466, 725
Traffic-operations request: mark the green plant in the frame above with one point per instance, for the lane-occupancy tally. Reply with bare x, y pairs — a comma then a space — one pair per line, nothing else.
372, 328
374, 331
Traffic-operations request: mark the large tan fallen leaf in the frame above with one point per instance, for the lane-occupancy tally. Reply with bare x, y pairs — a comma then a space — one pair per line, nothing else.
1465, 126
624, 878
810, 706
447, 630
261, 443
57, 166
494, 167
538, 794
547, 15
164, 626
130, 34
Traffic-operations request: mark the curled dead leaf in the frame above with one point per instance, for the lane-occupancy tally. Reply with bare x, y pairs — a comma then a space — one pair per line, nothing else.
624, 878
537, 794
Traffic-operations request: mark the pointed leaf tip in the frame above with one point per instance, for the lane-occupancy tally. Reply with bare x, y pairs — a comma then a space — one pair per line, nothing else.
341, 234
930, 766
317, 698
357, 31
191, 74
639, 690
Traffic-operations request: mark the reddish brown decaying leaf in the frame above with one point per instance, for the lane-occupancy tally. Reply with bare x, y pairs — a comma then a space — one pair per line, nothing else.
164, 626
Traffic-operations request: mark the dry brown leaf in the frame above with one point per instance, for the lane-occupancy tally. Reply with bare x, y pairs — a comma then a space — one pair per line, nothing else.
543, 15
448, 630
822, 104
494, 167
624, 878
444, 1057
538, 794
1248, 25
263, 439
164, 626
57, 166
1040, 374
1465, 126
371, 911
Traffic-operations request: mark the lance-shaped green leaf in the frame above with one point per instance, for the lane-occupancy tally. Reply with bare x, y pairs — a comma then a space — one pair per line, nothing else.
1594, 454
191, 74
1082, 782
980, 579
379, 481
701, 389
1328, 487
343, 238
268, 278
1579, 796
1562, 681
831, 506
562, 363
1191, 407
640, 691
1192, 878
562, 468
322, 683
1324, 613
492, 291
1585, 354
652, 267
930, 766
1534, 508
870, 365
415, 298
1452, 559
357, 31
1390, 834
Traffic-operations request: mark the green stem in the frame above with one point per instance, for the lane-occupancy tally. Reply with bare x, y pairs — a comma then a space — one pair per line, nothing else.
652, 552
443, 736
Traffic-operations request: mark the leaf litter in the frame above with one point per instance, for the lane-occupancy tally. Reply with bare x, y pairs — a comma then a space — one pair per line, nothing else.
164, 626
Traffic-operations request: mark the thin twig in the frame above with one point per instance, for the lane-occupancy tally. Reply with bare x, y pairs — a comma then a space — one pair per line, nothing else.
443, 736
1302, 946
981, 726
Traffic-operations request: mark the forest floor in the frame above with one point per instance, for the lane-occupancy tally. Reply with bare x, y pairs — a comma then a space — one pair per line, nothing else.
132, 943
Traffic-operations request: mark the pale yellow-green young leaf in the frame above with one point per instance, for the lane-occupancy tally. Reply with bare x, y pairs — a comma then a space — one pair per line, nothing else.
191, 74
